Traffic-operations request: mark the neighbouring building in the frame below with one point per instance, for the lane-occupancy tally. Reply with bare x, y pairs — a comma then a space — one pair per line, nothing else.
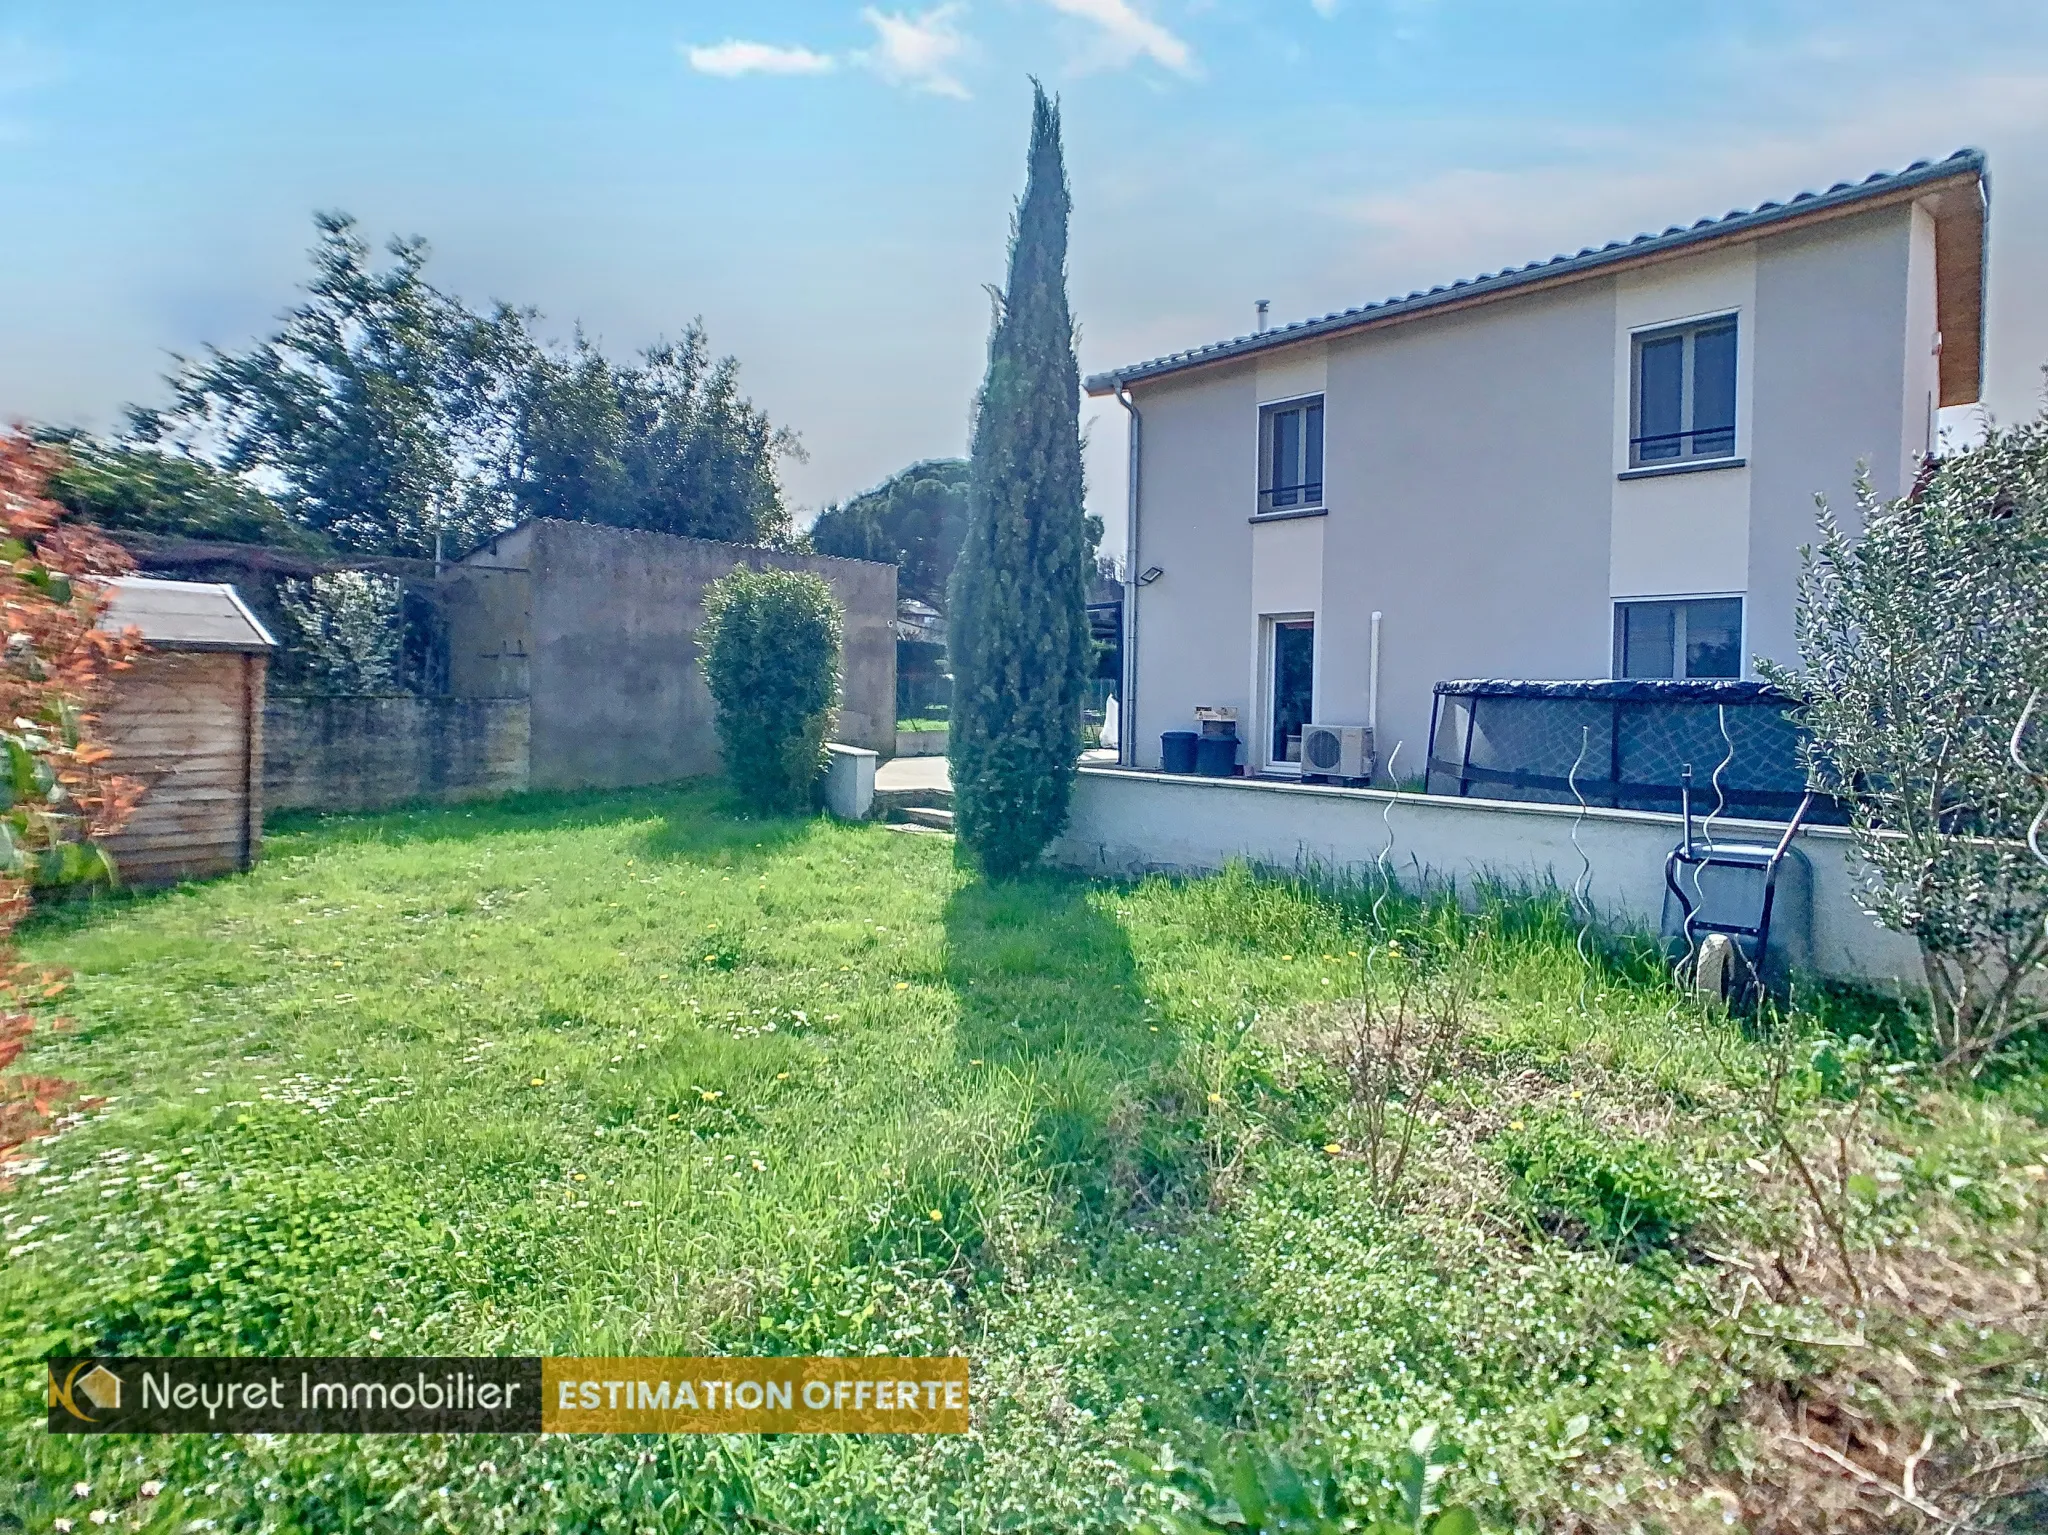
1600, 465
595, 629
186, 719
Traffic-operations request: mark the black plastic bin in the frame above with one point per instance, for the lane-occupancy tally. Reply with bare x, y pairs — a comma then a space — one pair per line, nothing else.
1177, 751
1216, 756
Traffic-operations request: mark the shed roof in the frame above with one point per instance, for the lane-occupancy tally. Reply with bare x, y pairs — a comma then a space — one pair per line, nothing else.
184, 615
1961, 245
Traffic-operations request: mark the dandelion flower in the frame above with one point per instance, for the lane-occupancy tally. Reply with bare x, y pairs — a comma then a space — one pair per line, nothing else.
538, 1082
575, 1177
1334, 1149
903, 985
1215, 1097
937, 1215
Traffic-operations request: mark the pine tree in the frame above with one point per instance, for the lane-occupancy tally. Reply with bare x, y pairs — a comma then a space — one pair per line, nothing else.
1018, 611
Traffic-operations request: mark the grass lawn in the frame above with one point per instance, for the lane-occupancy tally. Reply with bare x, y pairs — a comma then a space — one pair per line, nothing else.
630, 1074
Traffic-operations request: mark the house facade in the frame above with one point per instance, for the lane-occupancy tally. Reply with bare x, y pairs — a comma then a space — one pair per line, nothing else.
1602, 465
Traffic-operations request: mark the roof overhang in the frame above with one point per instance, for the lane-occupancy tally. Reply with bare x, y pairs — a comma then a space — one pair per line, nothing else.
183, 615
1956, 191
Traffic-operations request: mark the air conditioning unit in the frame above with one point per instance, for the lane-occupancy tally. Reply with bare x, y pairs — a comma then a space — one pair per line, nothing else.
1337, 751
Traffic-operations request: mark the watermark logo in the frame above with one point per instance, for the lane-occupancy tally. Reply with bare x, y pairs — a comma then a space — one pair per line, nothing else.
88, 1382
383, 1395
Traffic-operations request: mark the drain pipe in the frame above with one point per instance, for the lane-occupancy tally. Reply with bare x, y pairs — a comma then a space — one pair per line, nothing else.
1127, 733
1372, 683
1372, 687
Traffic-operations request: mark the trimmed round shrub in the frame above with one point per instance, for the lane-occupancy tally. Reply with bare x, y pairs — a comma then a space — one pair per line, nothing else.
770, 651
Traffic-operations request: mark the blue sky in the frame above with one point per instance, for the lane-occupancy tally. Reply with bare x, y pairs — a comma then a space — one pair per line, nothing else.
829, 184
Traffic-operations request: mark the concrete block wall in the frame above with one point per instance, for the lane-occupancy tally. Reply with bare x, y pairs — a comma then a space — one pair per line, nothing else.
596, 628
366, 753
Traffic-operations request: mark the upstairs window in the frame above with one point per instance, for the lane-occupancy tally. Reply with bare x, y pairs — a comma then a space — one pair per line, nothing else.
1291, 456
1684, 394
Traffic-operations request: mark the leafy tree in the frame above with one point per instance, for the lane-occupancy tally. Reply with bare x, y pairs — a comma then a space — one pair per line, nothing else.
1019, 619
344, 634
914, 520
56, 800
139, 490
701, 457
770, 651
381, 403
395, 417
1925, 643
570, 459
666, 443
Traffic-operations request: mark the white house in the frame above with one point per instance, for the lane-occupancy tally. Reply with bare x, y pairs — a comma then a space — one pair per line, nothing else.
1601, 465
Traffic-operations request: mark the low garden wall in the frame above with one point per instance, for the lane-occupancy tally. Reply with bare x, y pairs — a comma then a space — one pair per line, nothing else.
921, 743
1127, 822
366, 753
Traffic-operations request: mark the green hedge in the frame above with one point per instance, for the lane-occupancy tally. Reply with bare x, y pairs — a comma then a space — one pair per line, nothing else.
770, 649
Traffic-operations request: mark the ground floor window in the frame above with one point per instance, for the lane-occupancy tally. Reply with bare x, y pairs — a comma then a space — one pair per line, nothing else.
1291, 686
1700, 637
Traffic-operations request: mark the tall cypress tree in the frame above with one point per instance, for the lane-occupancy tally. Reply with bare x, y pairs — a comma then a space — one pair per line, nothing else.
1018, 614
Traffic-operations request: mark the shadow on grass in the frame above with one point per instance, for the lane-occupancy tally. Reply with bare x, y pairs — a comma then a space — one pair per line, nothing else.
1049, 988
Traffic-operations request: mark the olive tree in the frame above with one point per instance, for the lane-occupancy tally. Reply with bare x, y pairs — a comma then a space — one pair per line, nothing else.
1924, 640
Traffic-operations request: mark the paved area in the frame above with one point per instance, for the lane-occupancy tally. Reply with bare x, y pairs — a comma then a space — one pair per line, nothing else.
932, 773
913, 773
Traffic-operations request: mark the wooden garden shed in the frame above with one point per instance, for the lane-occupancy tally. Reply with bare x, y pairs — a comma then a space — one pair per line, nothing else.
186, 719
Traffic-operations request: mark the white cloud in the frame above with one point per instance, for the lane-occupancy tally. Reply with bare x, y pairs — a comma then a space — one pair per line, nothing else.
1125, 34
733, 57
920, 51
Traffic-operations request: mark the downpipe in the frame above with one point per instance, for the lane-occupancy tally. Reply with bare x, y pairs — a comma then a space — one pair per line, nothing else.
1127, 731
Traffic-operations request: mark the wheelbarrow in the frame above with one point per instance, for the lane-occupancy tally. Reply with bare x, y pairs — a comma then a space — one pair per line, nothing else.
1734, 968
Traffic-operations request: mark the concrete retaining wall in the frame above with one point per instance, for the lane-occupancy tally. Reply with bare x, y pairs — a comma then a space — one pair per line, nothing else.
921, 743
366, 753
1125, 823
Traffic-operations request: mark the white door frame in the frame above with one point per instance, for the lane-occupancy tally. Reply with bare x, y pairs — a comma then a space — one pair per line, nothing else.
1258, 751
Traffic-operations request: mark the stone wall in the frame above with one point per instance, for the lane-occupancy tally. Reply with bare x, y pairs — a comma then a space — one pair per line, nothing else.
366, 753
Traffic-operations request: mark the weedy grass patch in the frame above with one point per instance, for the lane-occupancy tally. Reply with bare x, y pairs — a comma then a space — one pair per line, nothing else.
639, 1074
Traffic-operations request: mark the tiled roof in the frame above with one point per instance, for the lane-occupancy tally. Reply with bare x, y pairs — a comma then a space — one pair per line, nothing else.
1741, 220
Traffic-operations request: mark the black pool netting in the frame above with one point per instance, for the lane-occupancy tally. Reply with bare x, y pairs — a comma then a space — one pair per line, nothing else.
1630, 742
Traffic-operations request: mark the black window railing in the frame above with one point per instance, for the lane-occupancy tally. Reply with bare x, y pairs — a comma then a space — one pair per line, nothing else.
1665, 447
1280, 498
